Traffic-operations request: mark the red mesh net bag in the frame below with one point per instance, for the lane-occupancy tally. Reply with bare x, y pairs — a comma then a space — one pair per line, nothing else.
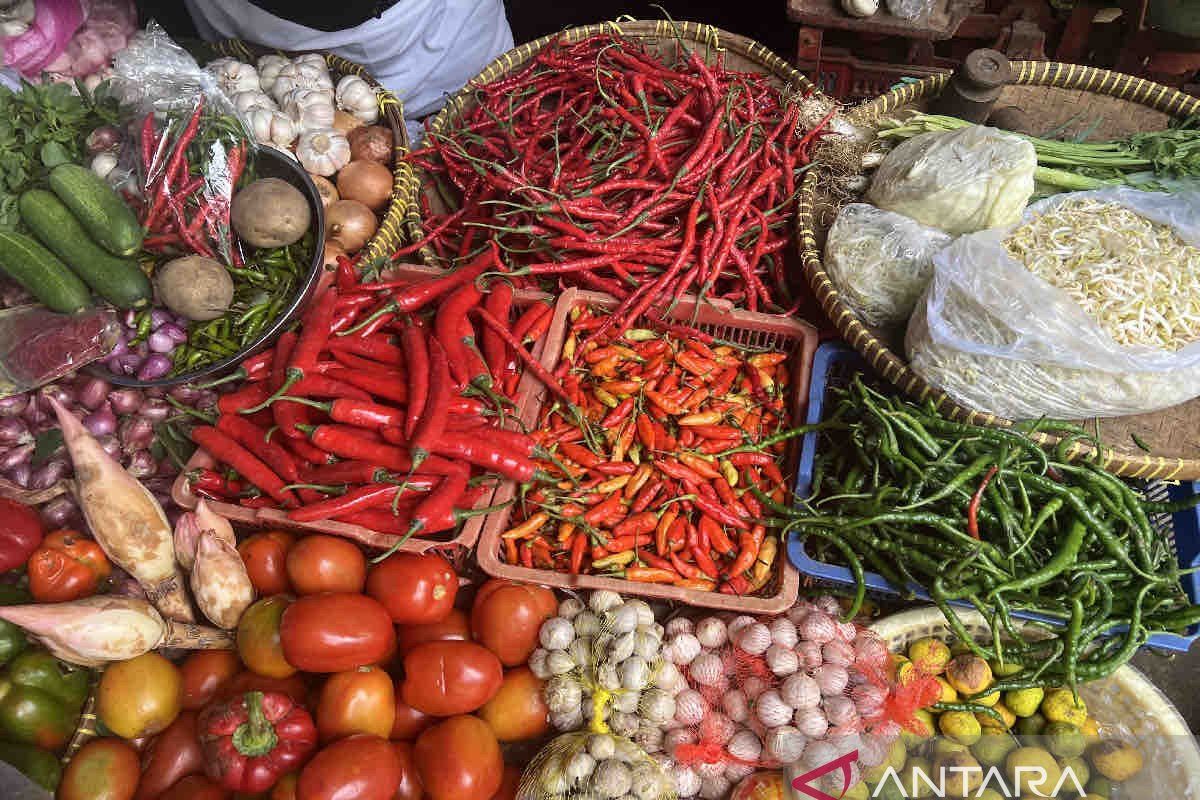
804, 688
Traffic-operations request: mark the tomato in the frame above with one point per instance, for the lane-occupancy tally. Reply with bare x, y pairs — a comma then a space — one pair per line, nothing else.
507, 617
293, 686
508, 784
103, 769
336, 632
415, 589
362, 700
410, 781
285, 788
326, 564
355, 768
445, 678
139, 697
258, 639
409, 721
173, 754
203, 673
459, 759
455, 627
265, 557
518, 711
195, 787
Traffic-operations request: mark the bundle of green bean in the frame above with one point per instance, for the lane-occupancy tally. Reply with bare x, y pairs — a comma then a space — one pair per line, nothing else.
985, 515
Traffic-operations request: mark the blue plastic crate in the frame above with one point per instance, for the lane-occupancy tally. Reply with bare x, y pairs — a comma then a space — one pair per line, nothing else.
835, 364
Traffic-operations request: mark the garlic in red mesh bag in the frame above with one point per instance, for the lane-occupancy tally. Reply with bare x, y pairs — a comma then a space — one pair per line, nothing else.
773, 692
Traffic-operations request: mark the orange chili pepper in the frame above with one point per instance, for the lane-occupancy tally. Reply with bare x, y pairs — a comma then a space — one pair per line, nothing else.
638, 480
565, 531
606, 508
695, 399
620, 387
705, 563
701, 418
717, 537
701, 367
701, 466
762, 361
650, 575
696, 584
665, 403
636, 525
624, 440
661, 543
510, 551
578, 550
645, 429
527, 528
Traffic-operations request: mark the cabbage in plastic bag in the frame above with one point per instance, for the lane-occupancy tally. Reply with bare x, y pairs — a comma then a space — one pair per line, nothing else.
880, 261
996, 337
960, 182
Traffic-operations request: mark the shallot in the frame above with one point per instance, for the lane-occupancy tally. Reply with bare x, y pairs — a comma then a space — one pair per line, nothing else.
219, 581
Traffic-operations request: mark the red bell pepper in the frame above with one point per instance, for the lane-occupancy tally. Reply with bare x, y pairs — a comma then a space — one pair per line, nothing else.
20, 534
253, 740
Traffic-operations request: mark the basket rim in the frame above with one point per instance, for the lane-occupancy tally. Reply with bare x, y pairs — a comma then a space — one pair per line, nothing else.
402, 220
892, 366
697, 32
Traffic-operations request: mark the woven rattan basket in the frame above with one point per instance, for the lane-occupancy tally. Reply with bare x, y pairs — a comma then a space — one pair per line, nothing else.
740, 54
402, 220
1073, 100
1126, 705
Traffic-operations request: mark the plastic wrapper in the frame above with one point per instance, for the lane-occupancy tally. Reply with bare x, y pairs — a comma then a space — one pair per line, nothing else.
189, 147
911, 10
46, 36
593, 766
881, 261
998, 338
960, 181
104, 33
771, 692
38, 346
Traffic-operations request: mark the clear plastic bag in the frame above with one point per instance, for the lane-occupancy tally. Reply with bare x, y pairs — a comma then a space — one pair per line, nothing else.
959, 181
190, 147
911, 10
998, 338
881, 261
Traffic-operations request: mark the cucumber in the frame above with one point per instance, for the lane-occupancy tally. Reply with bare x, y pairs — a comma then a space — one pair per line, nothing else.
120, 281
101, 210
46, 278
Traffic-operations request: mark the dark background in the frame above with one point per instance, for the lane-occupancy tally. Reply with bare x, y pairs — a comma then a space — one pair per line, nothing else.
764, 20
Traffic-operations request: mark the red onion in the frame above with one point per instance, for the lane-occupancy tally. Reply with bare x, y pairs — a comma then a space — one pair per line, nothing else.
106, 137
13, 431
101, 422
177, 334
14, 405
121, 348
15, 456
155, 409
160, 317
154, 367
49, 474
185, 393
60, 511
129, 319
160, 342
136, 433
127, 364
125, 401
20, 474
141, 348
59, 393
92, 392
111, 445
141, 464
154, 391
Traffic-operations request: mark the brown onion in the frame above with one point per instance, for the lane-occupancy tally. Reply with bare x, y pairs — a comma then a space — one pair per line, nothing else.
333, 250
371, 143
345, 122
368, 182
351, 223
325, 188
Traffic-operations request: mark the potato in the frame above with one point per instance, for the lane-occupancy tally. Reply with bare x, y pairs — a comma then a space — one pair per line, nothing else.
271, 213
195, 287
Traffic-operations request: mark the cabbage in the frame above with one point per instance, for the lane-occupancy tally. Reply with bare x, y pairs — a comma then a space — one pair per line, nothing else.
960, 181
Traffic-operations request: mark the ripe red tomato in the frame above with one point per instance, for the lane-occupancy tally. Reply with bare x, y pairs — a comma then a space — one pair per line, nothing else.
334, 632
203, 673
103, 769
415, 589
326, 564
362, 700
172, 755
410, 781
265, 557
459, 759
455, 627
518, 711
355, 768
409, 722
258, 639
285, 788
508, 784
446, 678
507, 617
195, 787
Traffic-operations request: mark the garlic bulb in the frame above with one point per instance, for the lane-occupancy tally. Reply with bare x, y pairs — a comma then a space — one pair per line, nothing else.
817, 626
707, 669
645, 614
233, 76
622, 647
782, 661
569, 720
838, 652
313, 61
710, 769
622, 723
744, 745
811, 722
870, 650
800, 691
718, 728
860, 8
677, 736
737, 623
604, 600
832, 679
785, 744
715, 788
754, 686
623, 619
669, 678
710, 632
783, 632
840, 710
829, 604
735, 772
657, 707
268, 69
690, 707
645, 645
809, 654
294, 76
570, 607
648, 781
679, 625
247, 101
736, 706
581, 652
579, 767
601, 746
612, 778
634, 672
754, 639
687, 782
355, 95
562, 694
771, 710
104, 163
586, 624
556, 633
272, 127
607, 677
868, 699
649, 738
559, 662
682, 649
323, 152
311, 108
538, 663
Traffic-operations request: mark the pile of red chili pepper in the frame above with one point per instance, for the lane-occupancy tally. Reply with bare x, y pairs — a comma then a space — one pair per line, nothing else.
187, 187
375, 414
600, 165
676, 452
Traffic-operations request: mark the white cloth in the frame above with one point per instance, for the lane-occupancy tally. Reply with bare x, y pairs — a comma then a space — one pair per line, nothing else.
421, 50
